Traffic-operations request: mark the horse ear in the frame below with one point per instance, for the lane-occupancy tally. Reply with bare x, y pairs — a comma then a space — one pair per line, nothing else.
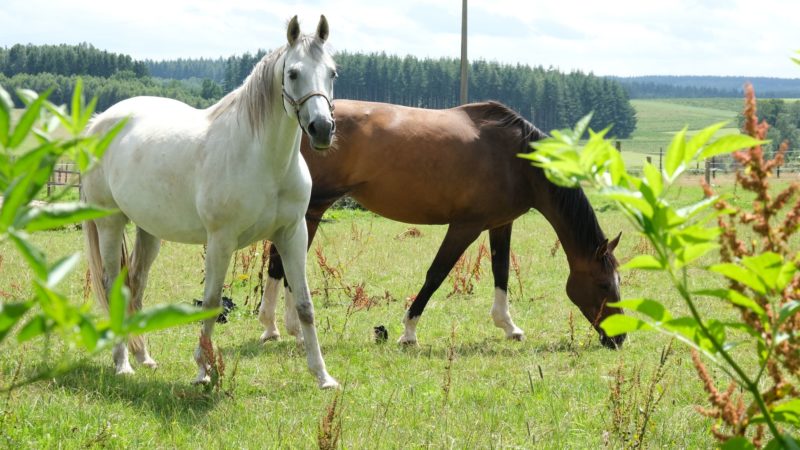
293, 31
322, 29
613, 244
601, 251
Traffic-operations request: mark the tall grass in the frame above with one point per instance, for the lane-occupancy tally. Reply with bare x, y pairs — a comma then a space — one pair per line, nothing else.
549, 391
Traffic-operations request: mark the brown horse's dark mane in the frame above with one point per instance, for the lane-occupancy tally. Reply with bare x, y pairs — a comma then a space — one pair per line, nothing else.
570, 203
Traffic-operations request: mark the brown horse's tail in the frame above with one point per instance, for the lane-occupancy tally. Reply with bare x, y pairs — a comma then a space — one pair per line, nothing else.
98, 281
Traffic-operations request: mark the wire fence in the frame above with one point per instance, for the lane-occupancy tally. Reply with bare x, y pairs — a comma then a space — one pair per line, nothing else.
64, 174
718, 166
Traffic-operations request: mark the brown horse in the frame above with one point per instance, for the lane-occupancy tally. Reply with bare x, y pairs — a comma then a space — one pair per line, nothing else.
457, 167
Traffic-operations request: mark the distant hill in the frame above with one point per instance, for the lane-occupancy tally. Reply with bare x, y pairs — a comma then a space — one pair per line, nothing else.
666, 86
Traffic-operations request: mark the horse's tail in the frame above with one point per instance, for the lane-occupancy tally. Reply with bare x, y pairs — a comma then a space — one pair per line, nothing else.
98, 280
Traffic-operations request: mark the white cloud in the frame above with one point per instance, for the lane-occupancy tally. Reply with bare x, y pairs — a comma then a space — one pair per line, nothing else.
619, 37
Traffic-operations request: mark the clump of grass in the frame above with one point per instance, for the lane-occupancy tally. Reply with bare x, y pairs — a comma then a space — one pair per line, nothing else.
216, 369
448, 368
466, 272
329, 431
410, 232
632, 404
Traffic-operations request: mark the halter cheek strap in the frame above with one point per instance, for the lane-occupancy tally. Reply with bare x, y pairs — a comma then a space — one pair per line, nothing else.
298, 103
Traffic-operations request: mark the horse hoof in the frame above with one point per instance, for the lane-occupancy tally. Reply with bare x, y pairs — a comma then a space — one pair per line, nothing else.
407, 342
270, 336
204, 379
329, 383
125, 370
516, 336
151, 363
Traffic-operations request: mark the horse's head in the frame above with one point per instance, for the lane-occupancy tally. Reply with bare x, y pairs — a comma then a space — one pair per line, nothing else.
593, 283
308, 74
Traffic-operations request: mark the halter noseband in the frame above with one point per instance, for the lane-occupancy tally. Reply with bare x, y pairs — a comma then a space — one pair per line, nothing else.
298, 103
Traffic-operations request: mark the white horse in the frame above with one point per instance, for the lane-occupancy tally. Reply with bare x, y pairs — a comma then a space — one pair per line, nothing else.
225, 176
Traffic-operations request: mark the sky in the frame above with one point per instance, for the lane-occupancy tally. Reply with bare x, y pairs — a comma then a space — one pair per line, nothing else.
611, 37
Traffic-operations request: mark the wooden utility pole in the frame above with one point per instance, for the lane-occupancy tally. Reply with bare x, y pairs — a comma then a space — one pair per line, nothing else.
464, 52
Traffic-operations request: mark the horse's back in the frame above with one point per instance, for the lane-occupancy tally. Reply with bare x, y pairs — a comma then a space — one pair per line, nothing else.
422, 165
150, 167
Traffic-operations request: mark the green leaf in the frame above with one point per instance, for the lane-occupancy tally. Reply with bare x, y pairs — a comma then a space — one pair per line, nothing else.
57, 215
102, 145
654, 179
700, 139
738, 443
741, 275
645, 262
630, 199
674, 158
769, 267
6, 106
27, 120
690, 252
60, 269
35, 258
165, 316
786, 412
729, 143
10, 314
735, 298
691, 330
35, 327
620, 324
787, 311
89, 335
651, 308
118, 303
77, 103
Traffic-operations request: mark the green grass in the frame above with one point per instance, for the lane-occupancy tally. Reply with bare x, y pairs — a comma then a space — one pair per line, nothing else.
393, 397
658, 120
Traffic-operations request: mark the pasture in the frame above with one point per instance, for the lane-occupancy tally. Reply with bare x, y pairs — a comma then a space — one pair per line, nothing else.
463, 386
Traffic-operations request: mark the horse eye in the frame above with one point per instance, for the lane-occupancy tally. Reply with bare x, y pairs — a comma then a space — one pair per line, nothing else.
293, 74
334, 74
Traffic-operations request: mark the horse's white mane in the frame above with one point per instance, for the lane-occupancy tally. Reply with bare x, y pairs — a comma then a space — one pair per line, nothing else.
254, 96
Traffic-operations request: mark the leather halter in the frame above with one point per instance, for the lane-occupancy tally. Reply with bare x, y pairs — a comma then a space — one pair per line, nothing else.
298, 103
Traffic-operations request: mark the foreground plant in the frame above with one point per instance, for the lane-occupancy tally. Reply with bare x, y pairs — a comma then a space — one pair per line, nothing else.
763, 279
25, 169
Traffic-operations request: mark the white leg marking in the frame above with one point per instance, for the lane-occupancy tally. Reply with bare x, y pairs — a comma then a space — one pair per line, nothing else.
502, 317
266, 312
120, 354
290, 317
144, 358
409, 336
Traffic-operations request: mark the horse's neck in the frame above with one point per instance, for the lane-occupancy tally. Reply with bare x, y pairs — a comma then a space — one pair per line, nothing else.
575, 222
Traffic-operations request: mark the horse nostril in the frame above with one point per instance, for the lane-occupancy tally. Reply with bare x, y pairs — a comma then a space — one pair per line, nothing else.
333, 127
312, 129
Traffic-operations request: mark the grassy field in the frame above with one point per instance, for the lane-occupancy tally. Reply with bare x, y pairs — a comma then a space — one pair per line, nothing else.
464, 386
658, 120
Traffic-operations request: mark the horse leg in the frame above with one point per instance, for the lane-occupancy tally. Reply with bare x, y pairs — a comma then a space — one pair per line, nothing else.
457, 239
218, 257
293, 245
500, 242
144, 253
269, 301
110, 234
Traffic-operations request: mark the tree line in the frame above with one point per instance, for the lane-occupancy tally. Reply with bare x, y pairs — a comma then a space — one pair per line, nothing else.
548, 98
670, 86
63, 59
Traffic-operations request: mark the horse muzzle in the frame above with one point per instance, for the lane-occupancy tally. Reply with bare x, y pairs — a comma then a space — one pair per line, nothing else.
320, 132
